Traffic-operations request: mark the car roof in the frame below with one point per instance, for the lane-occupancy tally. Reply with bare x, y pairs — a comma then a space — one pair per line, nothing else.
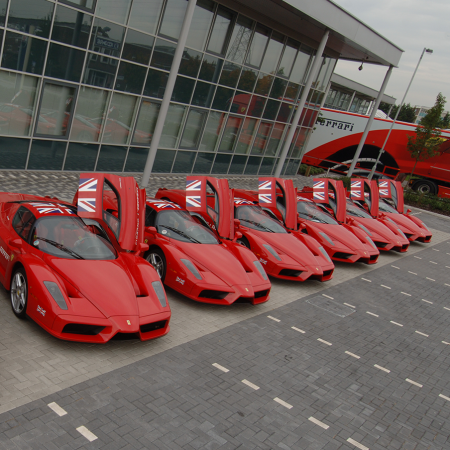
159, 205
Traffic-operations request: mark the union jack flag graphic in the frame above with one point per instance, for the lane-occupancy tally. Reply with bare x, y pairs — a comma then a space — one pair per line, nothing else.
265, 198
384, 188
319, 190
319, 196
355, 189
165, 205
264, 185
194, 200
241, 201
88, 185
319, 185
195, 185
86, 205
50, 208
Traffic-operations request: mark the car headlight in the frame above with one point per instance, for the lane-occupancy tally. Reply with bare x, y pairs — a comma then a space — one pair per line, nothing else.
401, 232
324, 252
426, 228
326, 237
192, 268
159, 291
371, 243
56, 294
260, 269
364, 228
272, 251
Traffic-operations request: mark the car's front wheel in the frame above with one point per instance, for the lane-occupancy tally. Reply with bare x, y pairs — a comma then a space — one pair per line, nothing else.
157, 259
19, 293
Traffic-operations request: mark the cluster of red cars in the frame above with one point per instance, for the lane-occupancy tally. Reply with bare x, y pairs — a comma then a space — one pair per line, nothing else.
94, 269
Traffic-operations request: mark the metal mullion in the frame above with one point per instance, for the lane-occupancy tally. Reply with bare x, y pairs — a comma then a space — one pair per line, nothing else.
222, 131
204, 129
281, 57
182, 126
161, 15
213, 21
8, 7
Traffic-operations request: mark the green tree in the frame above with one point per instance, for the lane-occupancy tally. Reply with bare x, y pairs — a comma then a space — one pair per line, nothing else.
385, 107
445, 122
425, 142
407, 113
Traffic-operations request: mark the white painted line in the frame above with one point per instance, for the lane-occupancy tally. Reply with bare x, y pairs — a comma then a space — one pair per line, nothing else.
352, 354
318, 422
365, 279
448, 309
405, 293
435, 249
444, 397
218, 366
382, 368
431, 279
57, 409
273, 318
446, 343
447, 284
414, 383
372, 314
427, 301
432, 262
448, 253
395, 267
348, 304
357, 444
253, 386
281, 402
395, 323
298, 329
324, 342
423, 334
418, 257
414, 273
387, 287
327, 296
448, 267
87, 434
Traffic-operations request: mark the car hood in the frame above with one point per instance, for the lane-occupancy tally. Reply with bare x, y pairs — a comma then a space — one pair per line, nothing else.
380, 232
340, 235
407, 224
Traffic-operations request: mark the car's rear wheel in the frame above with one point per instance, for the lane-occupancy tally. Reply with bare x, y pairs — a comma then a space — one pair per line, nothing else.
243, 241
19, 293
425, 187
156, 258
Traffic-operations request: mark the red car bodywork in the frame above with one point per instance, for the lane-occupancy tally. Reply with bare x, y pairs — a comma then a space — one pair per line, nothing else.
209, 270
95, 297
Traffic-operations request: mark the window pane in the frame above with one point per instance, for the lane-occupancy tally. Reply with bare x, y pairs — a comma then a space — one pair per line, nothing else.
173, 18
325, 73
203, 94
183, 162
230, 133
144, 15
46, 155
193, 128
256, 106
120, 116
299, 142
100, 71
219, 34
212, 131
221, 163
172, 127
309, 117
248, 79
222, 98
182, 90
261, 138
138, 47
203, 162
3, 5
163, 161
292, 167
71, 27
136, 159
190, 63
266, 166
146, 122
263, 84
252, 165
240, 103
17, 100
156, 83
237, 164
272, 56
130, 78
107, 38
201, 23
240, 39
276, 138
13, 153
278, 88
81, 157
301, 66
65, 63
34, 18
85, 4
292, 91
91, 108
288, 59
163, 54
246, 136
257, 46
115, 10
285, 112
111, 158
23, 53
230, 74
56, 109
271, 110
210, 69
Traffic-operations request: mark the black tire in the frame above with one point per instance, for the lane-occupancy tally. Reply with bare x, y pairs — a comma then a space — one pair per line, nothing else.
425, 187
243, 241
19, 293
156, 258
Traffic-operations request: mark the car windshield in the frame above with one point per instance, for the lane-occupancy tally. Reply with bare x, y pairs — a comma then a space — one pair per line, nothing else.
310, 211
181, 226
252, 216
356, 211
386, 207
69, 237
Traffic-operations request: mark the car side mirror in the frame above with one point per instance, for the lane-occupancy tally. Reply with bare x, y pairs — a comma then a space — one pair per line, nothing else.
237, 235
15, 243
152, 230
408, 211
142, 248
237, 223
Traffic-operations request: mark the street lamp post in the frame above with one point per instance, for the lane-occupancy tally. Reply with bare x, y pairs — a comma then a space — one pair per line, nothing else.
425, 50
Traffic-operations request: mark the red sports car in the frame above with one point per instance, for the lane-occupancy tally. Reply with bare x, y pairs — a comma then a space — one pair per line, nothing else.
75, 270
194, 261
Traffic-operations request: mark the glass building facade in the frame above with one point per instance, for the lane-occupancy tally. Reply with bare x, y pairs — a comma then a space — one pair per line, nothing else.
81, 83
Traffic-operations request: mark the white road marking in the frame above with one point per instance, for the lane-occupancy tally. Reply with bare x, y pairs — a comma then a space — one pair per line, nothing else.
57, 409
372, 314
444, 397
418, 257
348, 304
253, 386
382, 368
318, 422
352, 354
448, 267
414, 273
448, 309
273, 318
414, 383
218, 366
435, 249
324, 342
446, 343
395, 267
405, 293
448, 253
357, 444
327, 296
281, 402
423, 334
447, 284
427, 301
431, 279
395, 323
87, 434
298, 329
387, 287
365, 279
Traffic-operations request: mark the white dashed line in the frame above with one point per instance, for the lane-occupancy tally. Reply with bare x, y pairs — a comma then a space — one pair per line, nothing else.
447, 267
382, 368
422, 334
395, 323
387, 287
395, 267
348, 304
447, 284
405, 293
218, 366
414, 273
327, 296
448, 253
352, 354
427, 301
86, 433
372, 314
273, 318
318, 422
357, 444
418, 257
324, 342
281, 402
444, 397
298, 329
253, 386
435, 249
414, 383
365, 279
431, 279
57, 409
446, 343
448, 309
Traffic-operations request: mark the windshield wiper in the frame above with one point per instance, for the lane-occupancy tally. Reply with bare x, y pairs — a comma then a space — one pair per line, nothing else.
258, 225
181, 234
60, 247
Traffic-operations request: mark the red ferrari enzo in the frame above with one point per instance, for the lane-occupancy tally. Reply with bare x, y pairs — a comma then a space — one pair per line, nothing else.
75, 270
